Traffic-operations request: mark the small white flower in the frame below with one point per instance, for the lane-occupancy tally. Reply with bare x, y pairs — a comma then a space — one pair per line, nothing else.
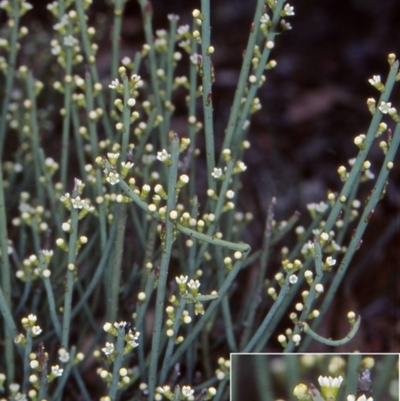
183, 29
241, 166
63, 355
163, 155
126, 61
376, 79
112, 178
264, 18
120, 325
173, 17
133, 343
288, 10
330, 261
14, 387
114, 84
184, 43
325, 381
286, 25
194, 58
384, 107
20, 397
364, 398
182, 279
108, 349
187, 391
77, 203
56, 50
193, 284
56, 370
70, 41
32, 318
36, 330
217, 172
293, 279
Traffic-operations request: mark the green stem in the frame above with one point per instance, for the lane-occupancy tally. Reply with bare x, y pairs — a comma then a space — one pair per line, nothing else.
161, 289
9, 328
260, 277
147, 13
67, 114
115, 276
117, 364
35, 137
306, 328
71, 271
11, 68
92, 65
207, 92
99, 271
116, 38
244, 73
50, 296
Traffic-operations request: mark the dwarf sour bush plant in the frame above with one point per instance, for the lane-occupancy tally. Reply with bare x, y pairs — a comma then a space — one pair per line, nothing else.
115, 281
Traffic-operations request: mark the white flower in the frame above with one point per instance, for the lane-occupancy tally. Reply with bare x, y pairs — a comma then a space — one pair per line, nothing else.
114, 84
32, 318
108, 349
241, 166
182, 279
163, 155
194, 58
187, 391
70, 41
264, 18
120, 325
14, 387
292, 279
376, 79
77, 203
36, 330
183, 29
126, 61
288, 10
384, 107
56, 370
286, 25
217, 172
330, 261
325, 381
193, 284
56, 50
112, 178
63, 355
20, 397
173, 17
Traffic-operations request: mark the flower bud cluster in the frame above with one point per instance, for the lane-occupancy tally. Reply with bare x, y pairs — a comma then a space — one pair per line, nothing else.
224, 368
31, 216
130, 338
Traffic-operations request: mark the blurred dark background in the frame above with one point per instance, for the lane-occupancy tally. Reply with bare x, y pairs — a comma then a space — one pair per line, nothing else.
314, 103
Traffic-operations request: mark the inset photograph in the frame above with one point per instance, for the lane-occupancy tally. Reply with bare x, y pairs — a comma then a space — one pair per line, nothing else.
315, 377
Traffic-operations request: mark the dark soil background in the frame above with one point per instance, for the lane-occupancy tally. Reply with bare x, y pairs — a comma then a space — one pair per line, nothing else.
314, 103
